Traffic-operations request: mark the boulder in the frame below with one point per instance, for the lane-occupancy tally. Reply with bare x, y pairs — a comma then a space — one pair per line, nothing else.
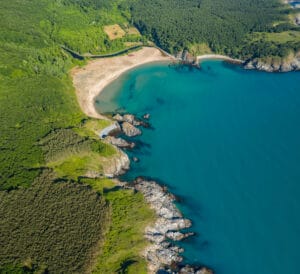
178, 236
118, 118
130, 130
119, 142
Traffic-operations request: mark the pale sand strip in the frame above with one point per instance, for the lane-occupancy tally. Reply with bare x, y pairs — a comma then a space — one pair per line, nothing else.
218, 57
90, 80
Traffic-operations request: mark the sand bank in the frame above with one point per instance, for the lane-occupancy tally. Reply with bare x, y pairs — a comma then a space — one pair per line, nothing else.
218, 57
90, 80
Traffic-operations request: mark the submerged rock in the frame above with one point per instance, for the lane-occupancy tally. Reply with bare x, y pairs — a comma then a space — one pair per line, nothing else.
136, 159
146, 116
130, 130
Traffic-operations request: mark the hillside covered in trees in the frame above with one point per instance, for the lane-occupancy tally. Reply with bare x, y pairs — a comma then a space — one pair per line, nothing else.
225, 26
51, 219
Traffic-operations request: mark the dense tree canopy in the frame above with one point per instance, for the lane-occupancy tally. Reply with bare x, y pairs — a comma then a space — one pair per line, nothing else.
222, 24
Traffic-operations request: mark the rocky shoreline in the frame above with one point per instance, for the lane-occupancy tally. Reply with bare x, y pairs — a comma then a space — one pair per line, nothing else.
290, 63
162, 254
293, 64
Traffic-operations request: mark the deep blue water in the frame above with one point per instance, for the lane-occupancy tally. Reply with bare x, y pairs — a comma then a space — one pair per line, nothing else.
227, 141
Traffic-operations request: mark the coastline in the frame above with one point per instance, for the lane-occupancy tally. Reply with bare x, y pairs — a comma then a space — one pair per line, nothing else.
162, 253
90, 80
218, 57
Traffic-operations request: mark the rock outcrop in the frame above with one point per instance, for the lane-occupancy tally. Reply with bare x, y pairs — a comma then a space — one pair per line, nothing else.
130, 130
118, 117
275, 65
119, 142
131, 119
191, 270
116, 165
161, 254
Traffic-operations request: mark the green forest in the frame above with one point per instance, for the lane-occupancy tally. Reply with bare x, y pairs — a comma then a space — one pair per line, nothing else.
225, 26
52, 218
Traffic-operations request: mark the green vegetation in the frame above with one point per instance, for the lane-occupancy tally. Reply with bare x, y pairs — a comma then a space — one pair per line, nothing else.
124, 240
50, 220
72, 155
52, 227
36, 94
92, 127
223, 25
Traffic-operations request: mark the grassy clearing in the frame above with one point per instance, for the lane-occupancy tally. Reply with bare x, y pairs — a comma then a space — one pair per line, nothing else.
77, 166
124, 241
281, 37
92, 127
114, 31
74, 155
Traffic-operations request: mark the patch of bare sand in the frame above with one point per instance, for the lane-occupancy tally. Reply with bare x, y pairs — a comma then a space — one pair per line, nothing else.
90, 80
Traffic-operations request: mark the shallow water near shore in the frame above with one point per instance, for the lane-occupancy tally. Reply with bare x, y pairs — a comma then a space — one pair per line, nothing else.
226, 141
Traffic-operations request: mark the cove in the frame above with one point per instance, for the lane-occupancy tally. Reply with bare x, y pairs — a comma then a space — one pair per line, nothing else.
227, 142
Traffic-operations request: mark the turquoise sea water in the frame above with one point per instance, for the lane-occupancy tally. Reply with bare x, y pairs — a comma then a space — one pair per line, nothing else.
227, 141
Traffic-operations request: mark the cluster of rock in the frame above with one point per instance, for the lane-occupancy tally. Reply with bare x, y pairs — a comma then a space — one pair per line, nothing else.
292, 64
124, 124
162, 254
186, 59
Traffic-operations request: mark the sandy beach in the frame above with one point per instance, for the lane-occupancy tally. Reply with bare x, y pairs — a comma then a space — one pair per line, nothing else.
90, 80
218, 57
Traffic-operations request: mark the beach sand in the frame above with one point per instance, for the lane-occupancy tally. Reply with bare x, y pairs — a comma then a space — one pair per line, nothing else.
218, 57
90, 80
